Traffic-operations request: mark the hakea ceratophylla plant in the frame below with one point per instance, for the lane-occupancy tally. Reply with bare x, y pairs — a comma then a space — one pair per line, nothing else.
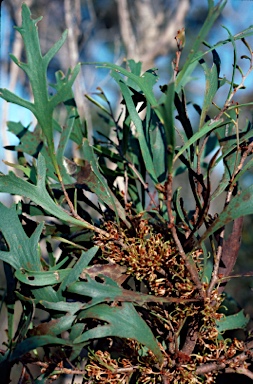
137, 294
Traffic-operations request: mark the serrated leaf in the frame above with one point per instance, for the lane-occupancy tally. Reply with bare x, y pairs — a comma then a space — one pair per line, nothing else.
63, 306
122, 321
10, 97
31, 142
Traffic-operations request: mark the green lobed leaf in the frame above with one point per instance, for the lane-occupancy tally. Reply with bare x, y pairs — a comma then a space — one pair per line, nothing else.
31, 142
226, 323
78, 268
76, 330
42, 278
23, 250
38, 193
10, 97
123, 321
108, 290
63, 306
54, 327
36, 69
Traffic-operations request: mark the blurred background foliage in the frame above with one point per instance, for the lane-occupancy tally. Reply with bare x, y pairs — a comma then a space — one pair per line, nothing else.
113, 30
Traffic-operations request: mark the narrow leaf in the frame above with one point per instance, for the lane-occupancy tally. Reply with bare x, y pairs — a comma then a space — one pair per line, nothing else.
167, 114
92, 177
240, 205
139, 127
213, 14
210, 91
208, 127
35, 342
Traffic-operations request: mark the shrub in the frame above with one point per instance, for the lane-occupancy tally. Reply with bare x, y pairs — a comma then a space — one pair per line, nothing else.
137, 294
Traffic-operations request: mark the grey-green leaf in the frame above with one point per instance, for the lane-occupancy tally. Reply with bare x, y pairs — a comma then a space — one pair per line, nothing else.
23, 250
123, 321
239, 320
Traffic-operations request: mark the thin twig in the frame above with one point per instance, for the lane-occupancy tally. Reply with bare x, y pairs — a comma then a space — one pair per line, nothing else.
180, 45
218, 255
244, 157
244, 371
236, 89
75, 214
145, 185
191, 267
217, 366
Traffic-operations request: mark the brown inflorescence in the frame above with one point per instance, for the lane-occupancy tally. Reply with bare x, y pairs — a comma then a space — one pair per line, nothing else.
149, 253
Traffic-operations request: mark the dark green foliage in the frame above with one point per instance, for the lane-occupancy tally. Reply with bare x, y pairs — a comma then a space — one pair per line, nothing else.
137, 286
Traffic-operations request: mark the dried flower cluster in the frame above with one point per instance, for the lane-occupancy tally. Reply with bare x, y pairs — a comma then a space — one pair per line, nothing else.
178, 368
150, 255
144, 252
